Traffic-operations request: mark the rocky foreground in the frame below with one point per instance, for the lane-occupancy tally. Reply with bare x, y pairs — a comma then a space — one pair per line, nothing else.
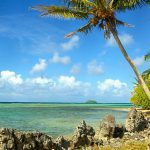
109, 133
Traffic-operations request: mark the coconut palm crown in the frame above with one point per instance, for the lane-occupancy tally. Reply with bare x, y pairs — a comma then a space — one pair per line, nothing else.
101, 14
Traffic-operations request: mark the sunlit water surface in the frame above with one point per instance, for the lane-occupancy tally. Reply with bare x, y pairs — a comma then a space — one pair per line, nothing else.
56, 119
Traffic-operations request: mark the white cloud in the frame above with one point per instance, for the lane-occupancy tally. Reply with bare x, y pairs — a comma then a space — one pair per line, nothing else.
138, 61
39, 80
58, 88
75, 69
61, 88
41, 66
10, 77
125, 38
73, 42
69, 82
58, 59
113, 86
94, 68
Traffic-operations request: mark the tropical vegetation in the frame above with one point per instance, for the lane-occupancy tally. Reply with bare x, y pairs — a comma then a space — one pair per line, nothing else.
146, 73
139, 98
101, 14
91, 101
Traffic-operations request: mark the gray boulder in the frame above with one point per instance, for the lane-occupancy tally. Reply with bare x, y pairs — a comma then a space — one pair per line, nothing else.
7, 139
62, 143
17, 140
148, 140
107, 127
135, 121
33, 141
84, 135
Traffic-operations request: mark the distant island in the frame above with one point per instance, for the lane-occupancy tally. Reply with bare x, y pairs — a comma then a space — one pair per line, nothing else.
91, 102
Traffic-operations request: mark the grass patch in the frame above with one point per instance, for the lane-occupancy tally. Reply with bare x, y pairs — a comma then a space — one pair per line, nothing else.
129, 146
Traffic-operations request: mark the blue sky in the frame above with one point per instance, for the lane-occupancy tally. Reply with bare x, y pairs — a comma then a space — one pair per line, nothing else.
38, 64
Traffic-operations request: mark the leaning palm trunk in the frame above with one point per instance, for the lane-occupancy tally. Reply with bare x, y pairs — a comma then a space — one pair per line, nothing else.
140, 79
100, 13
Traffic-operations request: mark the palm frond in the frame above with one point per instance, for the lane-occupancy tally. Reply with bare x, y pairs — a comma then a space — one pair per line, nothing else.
136, 82
119, 22
107, 32
85, 3
110, 3
148, 1
61, 11
147, 57
146, 74
128, 4
101, 4
85, 29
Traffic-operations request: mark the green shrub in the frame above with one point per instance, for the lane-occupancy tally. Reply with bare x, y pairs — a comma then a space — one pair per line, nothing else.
139, 98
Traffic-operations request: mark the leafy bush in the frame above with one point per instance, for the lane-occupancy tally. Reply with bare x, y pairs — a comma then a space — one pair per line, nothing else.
139, 98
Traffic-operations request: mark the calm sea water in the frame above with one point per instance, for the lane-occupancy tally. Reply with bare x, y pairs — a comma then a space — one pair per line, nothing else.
56, 119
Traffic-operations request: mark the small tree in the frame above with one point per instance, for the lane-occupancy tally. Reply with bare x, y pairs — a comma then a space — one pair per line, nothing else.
139, 98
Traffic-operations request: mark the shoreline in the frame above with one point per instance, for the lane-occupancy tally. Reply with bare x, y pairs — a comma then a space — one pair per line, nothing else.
109, 134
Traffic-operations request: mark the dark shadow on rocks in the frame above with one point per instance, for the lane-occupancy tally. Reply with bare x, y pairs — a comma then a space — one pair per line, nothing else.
119, 131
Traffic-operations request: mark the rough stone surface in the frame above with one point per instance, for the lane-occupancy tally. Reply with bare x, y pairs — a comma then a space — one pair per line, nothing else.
135, 121
148, 140
14, 140
83, 135
62, 143
7, 139
107, 127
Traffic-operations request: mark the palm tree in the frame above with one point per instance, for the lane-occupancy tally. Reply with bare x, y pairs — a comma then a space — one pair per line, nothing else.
146, 73
100, 13
147, 57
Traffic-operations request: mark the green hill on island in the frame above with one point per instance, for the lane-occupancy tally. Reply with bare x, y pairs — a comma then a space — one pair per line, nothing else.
91, 102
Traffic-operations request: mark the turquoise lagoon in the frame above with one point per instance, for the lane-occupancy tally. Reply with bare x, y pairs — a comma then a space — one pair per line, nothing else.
56, 119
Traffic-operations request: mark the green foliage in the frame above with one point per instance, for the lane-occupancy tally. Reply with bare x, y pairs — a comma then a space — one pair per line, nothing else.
91, 102
147, 57
61, 11
146, 73
139, 98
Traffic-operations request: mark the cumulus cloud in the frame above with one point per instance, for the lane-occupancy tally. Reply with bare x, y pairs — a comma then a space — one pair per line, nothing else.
125, 38
40, 66
75, 69
95, 68
138, 61
13, 86
68, 81
113, 86
10, 77
60, 59
73, 42
39, 80
61, 88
